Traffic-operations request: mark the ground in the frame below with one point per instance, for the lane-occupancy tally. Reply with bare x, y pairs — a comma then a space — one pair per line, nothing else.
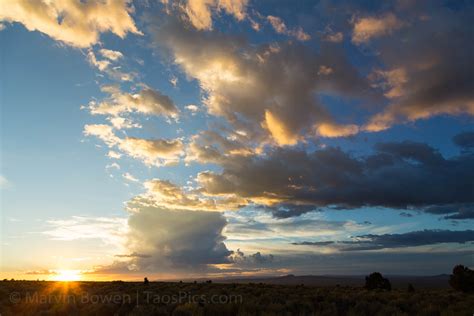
203, 298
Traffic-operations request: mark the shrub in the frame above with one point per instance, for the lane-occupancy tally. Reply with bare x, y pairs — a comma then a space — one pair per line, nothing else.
377, 281
462, 279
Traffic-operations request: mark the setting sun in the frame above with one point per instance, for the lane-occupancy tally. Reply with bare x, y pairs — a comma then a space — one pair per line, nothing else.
67, 275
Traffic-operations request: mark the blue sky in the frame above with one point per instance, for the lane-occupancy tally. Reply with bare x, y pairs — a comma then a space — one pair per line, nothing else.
184, 138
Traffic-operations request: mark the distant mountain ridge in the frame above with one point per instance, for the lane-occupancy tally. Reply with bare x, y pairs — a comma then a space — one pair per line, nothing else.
397, 281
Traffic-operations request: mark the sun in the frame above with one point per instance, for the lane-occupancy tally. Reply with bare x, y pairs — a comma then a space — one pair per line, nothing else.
67, 275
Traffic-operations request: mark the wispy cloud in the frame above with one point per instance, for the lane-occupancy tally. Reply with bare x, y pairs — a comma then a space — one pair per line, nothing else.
4, 183
110, 230
410, 239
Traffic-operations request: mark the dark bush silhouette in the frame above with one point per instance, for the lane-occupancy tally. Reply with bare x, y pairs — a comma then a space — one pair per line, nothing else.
462, 279
377, 281
145, 281
411, 288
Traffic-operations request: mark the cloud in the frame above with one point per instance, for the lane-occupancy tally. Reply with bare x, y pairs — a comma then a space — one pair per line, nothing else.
110, 230
4, 183
277, 24
129, 177
465, 140
280, 27
367, 28
284, 210
103, 132
114, 155
42, 272
314, 243
174, 81
410, 239
212, 147
192, 108
122, 122
391, 81
280, 133
255, 226
152, 152
102, 65
324, 71
428, 69
321, 241
111, 54
202, 154
133, 255
267, 91
113, 165
454, 211
176, 240
146, 101
422, 77
164, 194
335, 130
400, 175
200, 12
152, 239
76, 23
240, 259
106, 66
336, 37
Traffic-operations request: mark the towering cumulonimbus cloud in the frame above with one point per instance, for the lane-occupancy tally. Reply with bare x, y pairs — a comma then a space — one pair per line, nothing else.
177, 239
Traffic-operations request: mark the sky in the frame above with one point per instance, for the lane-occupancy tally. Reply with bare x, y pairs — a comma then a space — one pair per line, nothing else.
229, 138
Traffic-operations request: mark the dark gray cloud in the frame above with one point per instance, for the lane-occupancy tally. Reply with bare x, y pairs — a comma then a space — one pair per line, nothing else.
410, 239
457, 211
286, 210
403, 175
465, 140
240, 259
432, 56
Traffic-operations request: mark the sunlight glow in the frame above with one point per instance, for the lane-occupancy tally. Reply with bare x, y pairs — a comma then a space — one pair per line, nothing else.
67, 275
